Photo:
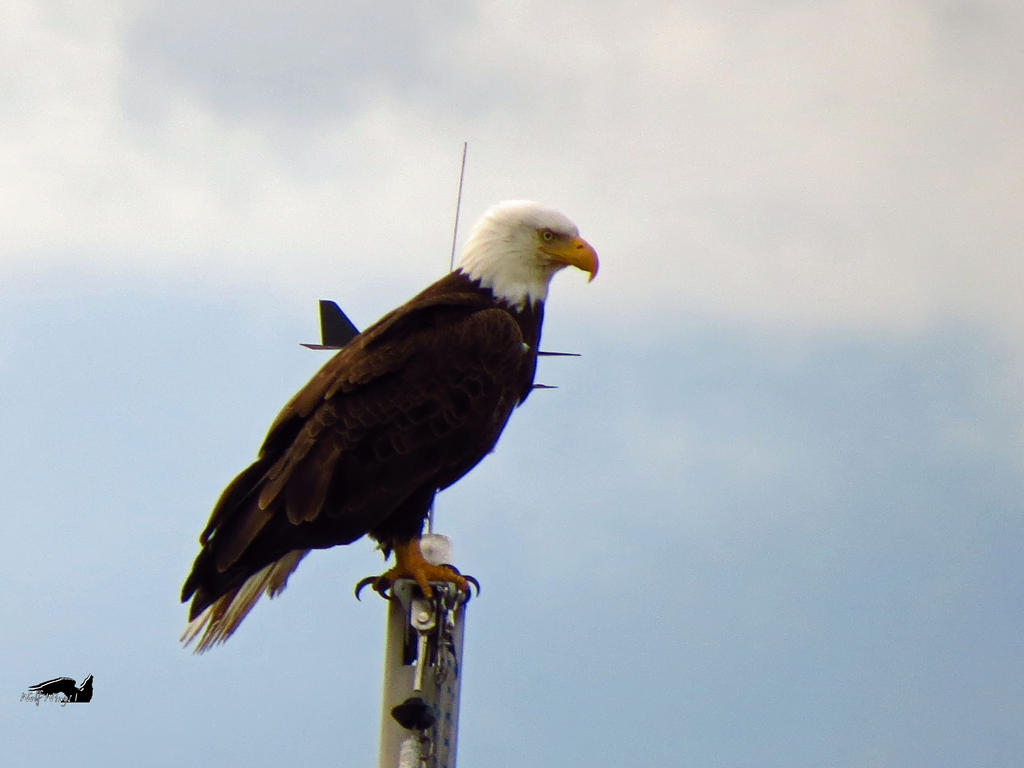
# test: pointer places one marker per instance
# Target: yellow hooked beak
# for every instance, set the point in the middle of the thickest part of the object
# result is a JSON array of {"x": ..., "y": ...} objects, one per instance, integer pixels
[{"x": 574, "y": 251}]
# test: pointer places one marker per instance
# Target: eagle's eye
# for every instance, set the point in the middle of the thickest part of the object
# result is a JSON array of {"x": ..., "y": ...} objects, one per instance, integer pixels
[{"x": 547, "y": 235}]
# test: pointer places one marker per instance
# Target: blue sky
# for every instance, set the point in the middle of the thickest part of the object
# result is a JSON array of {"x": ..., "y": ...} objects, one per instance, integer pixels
[{"x": 771, "y": 517}]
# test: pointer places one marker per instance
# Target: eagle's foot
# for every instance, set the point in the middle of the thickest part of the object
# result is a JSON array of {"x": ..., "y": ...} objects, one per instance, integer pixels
[
  {"x": 410, "y": 564},
  {"x": 383, "y": 584}
]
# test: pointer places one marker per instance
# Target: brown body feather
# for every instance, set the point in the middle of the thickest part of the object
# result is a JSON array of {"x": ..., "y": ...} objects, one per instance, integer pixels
[{"x": 407, "y": 408}]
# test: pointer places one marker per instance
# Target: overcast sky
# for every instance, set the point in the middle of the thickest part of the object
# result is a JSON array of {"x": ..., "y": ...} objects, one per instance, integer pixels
[{"x": 772, "y": 517}]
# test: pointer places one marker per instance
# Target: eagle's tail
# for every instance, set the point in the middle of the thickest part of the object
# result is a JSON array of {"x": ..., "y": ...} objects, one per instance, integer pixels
[{"x": 218, "y": 620}]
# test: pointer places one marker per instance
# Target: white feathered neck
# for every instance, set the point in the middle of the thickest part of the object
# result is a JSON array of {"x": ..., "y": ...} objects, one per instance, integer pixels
[{"x": 502, "y": 251}]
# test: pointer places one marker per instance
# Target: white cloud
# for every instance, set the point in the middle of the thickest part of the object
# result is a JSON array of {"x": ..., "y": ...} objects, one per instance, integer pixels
[{"x": 838, "y": 165}]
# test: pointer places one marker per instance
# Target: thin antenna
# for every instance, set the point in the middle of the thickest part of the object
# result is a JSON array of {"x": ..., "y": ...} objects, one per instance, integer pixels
[
  {"x": 429, "y": 522},
  {"x": 458, "y": 205}
]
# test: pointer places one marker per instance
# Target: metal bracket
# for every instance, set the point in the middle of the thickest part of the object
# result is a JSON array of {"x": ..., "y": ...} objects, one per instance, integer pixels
[{"x": 422, "y": 619}]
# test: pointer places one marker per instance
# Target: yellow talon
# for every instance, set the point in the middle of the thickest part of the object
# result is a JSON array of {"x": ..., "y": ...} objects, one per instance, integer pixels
[{"x": 410, "y": 564}]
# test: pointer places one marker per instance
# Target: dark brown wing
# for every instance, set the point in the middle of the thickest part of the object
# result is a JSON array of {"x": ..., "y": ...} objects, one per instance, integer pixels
[
  {"x": 383, "y": 349},
  {"x": 408, "y": 407}
]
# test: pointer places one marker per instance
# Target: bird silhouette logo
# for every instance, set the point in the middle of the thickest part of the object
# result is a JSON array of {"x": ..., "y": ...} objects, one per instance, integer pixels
[{"x": 63, "y": 689}]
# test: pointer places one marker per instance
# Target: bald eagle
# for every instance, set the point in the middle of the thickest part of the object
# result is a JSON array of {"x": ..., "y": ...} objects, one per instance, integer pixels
[{"x": 405, "y": 409}]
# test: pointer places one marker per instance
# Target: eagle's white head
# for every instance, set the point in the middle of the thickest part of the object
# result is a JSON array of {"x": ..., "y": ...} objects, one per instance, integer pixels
[{"x": 517, "y": 246}]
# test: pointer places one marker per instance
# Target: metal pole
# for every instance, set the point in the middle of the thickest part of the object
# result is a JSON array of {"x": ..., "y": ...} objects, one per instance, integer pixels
[{"x": 422, "y": 670}]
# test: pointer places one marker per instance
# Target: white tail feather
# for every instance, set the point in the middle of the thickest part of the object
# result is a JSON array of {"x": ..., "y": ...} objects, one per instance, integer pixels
[{"x": 222, "y": 617}]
